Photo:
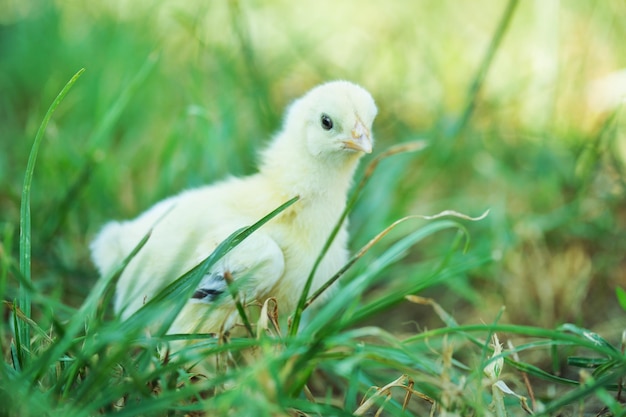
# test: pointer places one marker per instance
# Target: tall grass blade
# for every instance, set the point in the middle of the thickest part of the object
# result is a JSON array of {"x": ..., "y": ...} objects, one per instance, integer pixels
[
  {"x": 369, "y": 171},
  {"x": 25, "y": 221},
  {"x": 99, "y": 140},
  {"x": 443, "y": 271},
  {"x": 17, "y": 348},
  {"x": 589, "y": 335},
  {"x": 620, "y": 293},
  {"x": 556, "y": 336},
  {"x": 258, "y": 86},
  {"x": 325, "y": 323},
  {"x": 481, "y": 74},
  {"x": 377, "y": 238},
  {"x": 6, "y": 264},
  {"x": 86, "y": 311},
  {"x": 582, "y": 392},
  {"x": 173, "y": 298}
]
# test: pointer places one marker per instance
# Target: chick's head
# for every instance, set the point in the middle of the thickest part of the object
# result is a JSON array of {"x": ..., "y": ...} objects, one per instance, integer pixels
[{"x": 337, "y": 120}]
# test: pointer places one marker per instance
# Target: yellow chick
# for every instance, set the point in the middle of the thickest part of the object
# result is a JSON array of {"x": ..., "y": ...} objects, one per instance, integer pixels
[{"x": 314, "y": 156}]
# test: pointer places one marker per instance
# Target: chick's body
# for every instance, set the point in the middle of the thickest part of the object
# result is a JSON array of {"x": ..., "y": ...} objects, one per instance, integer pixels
[{"x": 314, "y": 157}]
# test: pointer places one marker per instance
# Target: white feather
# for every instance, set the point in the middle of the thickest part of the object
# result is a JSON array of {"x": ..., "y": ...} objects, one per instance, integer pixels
[{"x": 303, "y": 159}]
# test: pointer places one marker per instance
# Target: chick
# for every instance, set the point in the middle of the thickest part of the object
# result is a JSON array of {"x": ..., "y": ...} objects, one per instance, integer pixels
[{"x": 314, "y": 156}]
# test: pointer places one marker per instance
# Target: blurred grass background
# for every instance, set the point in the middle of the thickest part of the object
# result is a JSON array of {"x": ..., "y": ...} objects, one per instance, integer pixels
[{"x": 181, "y": 93}]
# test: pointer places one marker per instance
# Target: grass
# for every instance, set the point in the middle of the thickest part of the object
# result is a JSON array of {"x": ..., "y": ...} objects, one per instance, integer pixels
[{"x": 178, "y": 95}]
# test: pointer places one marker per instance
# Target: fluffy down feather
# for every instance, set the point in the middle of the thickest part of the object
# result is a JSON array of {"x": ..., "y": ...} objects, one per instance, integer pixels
[{"x": 314, "y": 156}]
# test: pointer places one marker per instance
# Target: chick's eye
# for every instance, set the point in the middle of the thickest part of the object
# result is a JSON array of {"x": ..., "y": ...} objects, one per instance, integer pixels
[{"x": 327, "y": 122}]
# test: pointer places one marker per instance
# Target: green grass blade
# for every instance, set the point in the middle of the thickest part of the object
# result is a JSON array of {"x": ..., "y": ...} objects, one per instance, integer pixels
[
  {"x": 7, "y": 263},
  {"x": 25, "y": 220},
  {"x": 17, "y": 348},
  {"x": 86, "y": 311},
  {"x": 620, "y": 293},
  {"x": 481, "y": 74},
  {"x": 99, "y": 140},
  {"x": 531, "y": 331},
  {"x": 441, "y": 271},
  {"x": 591, "y": 336},
  {"x": 302, "y": 302},
  {"x": 583, "y": 391},
  {"x": 325, "y": 322},
  {"x": 540, "y": 373},
  {"x": 173, "y": 298}
]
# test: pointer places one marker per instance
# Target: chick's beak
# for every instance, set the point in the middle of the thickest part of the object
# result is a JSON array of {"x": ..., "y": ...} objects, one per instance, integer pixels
[{"x": 360, "y": 139}]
